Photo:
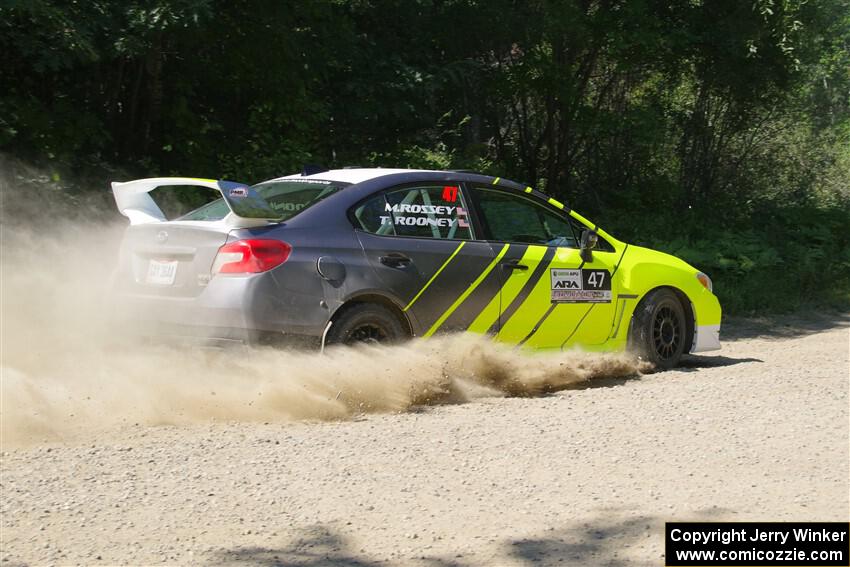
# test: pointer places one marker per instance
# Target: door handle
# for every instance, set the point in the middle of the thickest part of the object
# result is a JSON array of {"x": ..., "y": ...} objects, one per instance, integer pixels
[
  {"x": 395, "y": 260},
  {"x": 514, "y": 265}
]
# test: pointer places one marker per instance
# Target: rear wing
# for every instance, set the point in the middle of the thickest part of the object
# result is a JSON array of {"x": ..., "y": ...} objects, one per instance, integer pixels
[{"x": 247, "y": 208}]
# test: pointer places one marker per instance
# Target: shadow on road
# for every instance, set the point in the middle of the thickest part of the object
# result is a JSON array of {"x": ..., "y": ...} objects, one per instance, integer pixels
[
  {"x": 599, "y": 383},
  {"x": 695, "y": 362},
  {"x": 781, "y": 326},
  {"x": 601, "y": 542},
  {"x": 319, "y": 547},
  {"x": 608, "y": 539},
  {"x": 612, "y": 538}
]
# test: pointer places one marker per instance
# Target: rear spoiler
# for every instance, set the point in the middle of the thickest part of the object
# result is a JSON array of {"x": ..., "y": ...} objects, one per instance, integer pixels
[{"x": 247, "y": 208}]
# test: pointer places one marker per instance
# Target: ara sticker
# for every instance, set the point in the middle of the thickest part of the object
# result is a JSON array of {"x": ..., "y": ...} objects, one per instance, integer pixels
[
  {"x": 580, "y": 286},
  {"x": 239, "y": 192},
  {"x": 450, "y": 194}
]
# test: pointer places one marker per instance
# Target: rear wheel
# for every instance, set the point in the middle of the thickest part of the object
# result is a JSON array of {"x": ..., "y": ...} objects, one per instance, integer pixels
[
  {"x": 366, "y": 323},
  {"x": 659, "y": 329}
]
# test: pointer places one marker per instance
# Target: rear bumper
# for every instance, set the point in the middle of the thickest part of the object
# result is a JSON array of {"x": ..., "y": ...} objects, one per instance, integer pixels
[
  {"x": 220, "y": 337},
  {"x": 247, "y": 309}
]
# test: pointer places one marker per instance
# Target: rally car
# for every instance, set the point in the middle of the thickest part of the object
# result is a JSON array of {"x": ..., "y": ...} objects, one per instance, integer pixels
[{"x": 371, "y": 254}]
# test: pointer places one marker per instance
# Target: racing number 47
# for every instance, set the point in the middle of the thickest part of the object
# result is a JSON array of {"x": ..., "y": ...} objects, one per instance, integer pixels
[{"x": 596, "y": 279}]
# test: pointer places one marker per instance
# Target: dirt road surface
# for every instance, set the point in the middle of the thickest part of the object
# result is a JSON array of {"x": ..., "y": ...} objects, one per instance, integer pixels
[{"x": 580, "y": 477}]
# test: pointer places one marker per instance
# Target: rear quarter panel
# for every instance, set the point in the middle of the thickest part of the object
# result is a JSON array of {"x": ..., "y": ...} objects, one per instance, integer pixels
[{"x": 301, "y": 301}]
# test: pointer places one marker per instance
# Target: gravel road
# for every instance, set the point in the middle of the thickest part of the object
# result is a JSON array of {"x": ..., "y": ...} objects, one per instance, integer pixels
[{"x": 581, "y": 477}]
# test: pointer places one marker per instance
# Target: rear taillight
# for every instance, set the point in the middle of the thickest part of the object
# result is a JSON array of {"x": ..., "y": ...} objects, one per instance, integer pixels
[{"x": 250, "y": 256}]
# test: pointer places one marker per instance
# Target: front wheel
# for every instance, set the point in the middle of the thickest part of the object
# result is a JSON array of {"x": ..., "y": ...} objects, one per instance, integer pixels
[
  {"x": 659, "y": 329},
  {"x": 366, "y": 323}
]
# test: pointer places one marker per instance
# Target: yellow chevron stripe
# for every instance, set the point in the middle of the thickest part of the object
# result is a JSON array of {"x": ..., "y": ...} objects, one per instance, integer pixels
[
  {"x": 490, "y": 314},
  {"x": 522, "y": 321},
  {"x": 437, "y": 273},
  {"x": 466, "y": 293},
  {"x": 496, "y": 181}
]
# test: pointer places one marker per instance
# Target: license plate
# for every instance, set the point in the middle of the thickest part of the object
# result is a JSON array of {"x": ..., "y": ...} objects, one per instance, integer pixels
[{"x": 162, "y": 272}]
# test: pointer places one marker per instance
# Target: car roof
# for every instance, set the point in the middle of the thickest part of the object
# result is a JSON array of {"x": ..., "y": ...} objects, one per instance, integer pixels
[
  {"x": 357, "y": 175},
  {"x": 353, "y": 175}
]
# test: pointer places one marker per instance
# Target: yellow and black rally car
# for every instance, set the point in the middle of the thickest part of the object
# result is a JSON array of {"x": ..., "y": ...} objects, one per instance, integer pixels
[{"x": 370, "y": 254}]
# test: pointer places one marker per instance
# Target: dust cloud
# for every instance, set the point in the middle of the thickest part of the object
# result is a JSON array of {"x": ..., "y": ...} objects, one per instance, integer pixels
[{"x": 65, "y": 375}]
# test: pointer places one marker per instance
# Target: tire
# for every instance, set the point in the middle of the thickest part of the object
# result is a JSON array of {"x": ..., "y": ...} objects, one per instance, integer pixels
[
  {"x": 659, "y": 329},
  {"x": 366, "y": 323}
]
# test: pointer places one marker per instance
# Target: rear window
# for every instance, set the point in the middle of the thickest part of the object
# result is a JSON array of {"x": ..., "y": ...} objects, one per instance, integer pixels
[{"x": 286, "y": 197}]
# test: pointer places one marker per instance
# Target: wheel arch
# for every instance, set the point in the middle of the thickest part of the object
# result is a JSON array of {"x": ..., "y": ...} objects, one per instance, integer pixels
[
  {"x": 379, "y": 299},
  {"x": 687, "y": 307}
]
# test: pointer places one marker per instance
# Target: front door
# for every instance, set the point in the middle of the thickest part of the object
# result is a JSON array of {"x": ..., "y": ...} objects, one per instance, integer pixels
[{"x": 550, "y": 297}]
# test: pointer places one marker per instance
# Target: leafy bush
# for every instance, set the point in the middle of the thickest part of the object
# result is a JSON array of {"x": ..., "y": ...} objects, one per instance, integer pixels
[{"x": 786, "y": 259}]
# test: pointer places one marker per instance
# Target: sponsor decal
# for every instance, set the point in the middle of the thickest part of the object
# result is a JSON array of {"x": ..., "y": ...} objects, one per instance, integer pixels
[
  {"x": 450, "y": 194},
  {"x": 288, "y": 206},
  {"x": 418, "y": 221},
  {"x": 312, "y": 181},
  {"x": 238, "y": 192},
  {"x": 420, "y": 209},
  {"x": 411, "y": 215},
  {"x": 580, "y": 286}
]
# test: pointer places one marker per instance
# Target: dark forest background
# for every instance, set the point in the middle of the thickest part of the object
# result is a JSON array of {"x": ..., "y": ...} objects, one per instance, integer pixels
[{"x": 718, "y": 130}]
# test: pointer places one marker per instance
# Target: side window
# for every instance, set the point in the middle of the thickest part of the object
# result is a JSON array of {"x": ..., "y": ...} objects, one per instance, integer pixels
[
  {"x": 427, "y": 211},
  {"x": 515, "y": 218}
]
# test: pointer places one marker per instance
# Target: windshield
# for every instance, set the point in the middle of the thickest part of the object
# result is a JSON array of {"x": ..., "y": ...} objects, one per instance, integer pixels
[{"x": 286, "y": 197}]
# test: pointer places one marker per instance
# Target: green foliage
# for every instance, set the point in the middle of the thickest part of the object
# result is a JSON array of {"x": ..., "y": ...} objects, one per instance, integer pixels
[
  {"x": 793, "y": 256},
  {"x": 729, "y": 119}
]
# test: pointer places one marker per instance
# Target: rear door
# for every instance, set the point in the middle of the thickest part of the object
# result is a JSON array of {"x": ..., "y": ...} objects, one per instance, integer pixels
[
  {"x": 550, "y": 297},
  {"x": 420, "y": 241}
]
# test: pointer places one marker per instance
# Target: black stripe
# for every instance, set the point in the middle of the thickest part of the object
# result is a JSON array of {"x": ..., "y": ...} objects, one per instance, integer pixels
[
  {"x": 539, "y": 323},
  {"x": 580, "y": 321},
  {"x": 619, "y": 313},
  {"x": 620, "y": 261},
  {"x": 474, "y": 304},
  {"x": 525, "y": 291},
  {"x": 515, "y": 252}
]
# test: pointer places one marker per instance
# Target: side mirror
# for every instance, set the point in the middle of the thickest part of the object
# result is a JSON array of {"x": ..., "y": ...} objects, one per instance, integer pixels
[{"x": 589, "y": 238}]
